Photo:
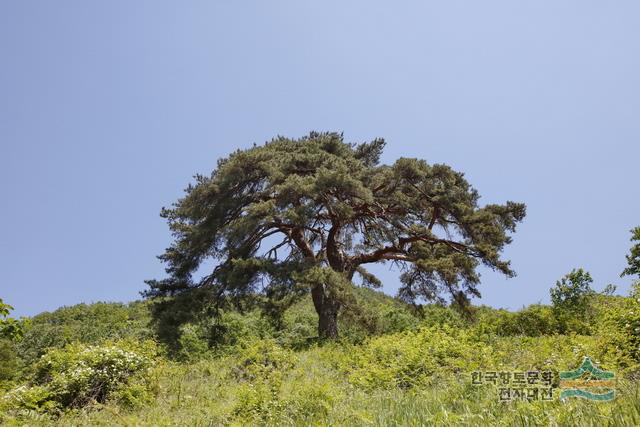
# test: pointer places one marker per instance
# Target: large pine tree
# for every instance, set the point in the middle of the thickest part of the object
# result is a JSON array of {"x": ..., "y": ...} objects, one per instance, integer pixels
[{"x": 293, "y": 217}]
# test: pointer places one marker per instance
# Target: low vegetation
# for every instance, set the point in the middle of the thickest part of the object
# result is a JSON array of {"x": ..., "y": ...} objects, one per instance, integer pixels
[{"x": 394, "y": 365}]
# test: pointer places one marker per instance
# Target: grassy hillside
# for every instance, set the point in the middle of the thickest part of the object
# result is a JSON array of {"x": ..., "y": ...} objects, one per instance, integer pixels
[{"x": 393, "y": 366}]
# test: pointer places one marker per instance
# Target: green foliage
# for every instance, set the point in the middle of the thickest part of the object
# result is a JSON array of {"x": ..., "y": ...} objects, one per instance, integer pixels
[
  {"x": 9, "y": 361},
  {"x": 571, "y": 299},
  {"x": 572, "y": 292},
  {"x": 305, "y": 398},
  {"x": 10, "y": 328},
  {"x": 218, "y": 334},
  {"x": 441, "y": 315},
  {"x": 88, "y": 324},
  {"x": 261, "y": 368},
  {"x": 369, "y": 313},
  {"x": 418, "y": 376},
  {"x": 11, "y": 332},
  {"x": 263, "y": 360},
  {"x": 79, "y": 375},
  {"x": 619, "y": 326},
  {"x": 396, "y": 364},
  {"x": 232, "y": 327},
  {"x": 373, "y": 313},
  {"x": 550, "y": 352},
  {"x": 533, "y": 321},
  {"x": 412, "y": 359},
  {"x": 633, "y": 259},
  {"x": 192, "y": 344},
  {"x": 299, "y": 327},
  {"x": 5, "y": 309}
]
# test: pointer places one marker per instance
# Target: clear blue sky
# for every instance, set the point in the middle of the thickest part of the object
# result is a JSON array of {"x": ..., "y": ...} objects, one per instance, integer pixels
[{"x": 108, "y": 108}]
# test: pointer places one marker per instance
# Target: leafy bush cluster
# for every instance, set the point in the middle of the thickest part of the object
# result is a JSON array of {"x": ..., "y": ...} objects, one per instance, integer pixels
[
  {"x": 619, "y": 327},
  {"x": 264, "y": 360},
  {"x": 260, "y": 368},
  {"x": 79, "y": 375},
  {"x": 10, "y": 328},
  {"x": 9, "y": 362},
  {"x": 412, "y": 359},
  {"x": 533, "y": 321},
  {"x": 84, "y": 323},
  {"x": 11, "y": 333}
]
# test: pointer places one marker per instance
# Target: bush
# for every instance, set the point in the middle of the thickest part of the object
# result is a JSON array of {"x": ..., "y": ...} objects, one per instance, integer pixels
[
  {"x": 192, "y": 344},
  {"x": 10, "y": 328},
  {"x": 533, "y": 321},
  {"x": 261, "y": 368},
  {"x": 619, "y": 327},
  {"x": 232, "y": 328},
  {"x": 571, "y": 299},
  {"x": 373, "y": 313},
  {"x": 552, "y": 352},
  {"x": 91, "y": 324},
  {"x": 262, "y": 360},
  {"x": 79, "y": 375},
  {"x": 440, "y": 315},
  {"x": 299, "y": 326},
  {"x": 312, "y": 400},
  {"x": 412, "y": 359},
  {"x": 9, "y": 362}
]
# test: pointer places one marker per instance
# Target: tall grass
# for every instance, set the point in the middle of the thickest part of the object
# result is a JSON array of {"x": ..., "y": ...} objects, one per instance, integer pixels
[{"x": 316, "y": 391}]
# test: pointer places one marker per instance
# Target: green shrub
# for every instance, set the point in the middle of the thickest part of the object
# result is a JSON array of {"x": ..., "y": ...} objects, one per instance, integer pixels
[
  {"x": 232, "y": 328},
  {"x": 192, "y": 345},
  {"x": 262, "y": 360},
  {"x": 572, "y": 292},
  {"x": 552, "y": 352},
  {"x": 9, "y": 362},
  {"x": 258, "y": 403},
  {"x": 84, "y": 323},
  {"x": 261, "y": 367},
  {"x": 375, "y": 313},
  {"x": 10, "y": 328},
  {"x": 619, "y": 326},
  {"x": 412, "y": 359},
  {"x": 312, "y": 400},
  {"x": 79, "y": 375},
  {"x": 571, "y": 299},
  {"x": 533, "y": 321},
  {"x": 439, "y": 315},
  {"x": 299, "y": 327}
]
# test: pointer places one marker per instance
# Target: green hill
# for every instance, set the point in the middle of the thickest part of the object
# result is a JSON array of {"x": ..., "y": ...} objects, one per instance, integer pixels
[{"x": 394, "y": 365}]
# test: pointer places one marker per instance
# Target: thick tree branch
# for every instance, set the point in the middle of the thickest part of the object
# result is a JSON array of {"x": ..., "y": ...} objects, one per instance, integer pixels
[
  {"x": 392, "y": 251},
  {"x": 334, "y": 254},
  {"x": 434, "y": 217},
  {"x": 297, "y": 235}
]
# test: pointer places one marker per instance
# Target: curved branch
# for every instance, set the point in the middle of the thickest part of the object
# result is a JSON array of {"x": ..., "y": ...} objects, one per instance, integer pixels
[{"x": 398, "y": 252}]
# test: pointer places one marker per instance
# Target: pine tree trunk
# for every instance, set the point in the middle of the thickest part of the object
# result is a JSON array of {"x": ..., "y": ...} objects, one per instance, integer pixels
[
  {"x": 328, "y": 322},
  {"x": 327, "y": 309}
]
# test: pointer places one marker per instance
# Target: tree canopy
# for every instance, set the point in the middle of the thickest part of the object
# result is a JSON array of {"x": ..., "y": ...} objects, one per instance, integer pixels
[
  {"x": 572, "y": 291},
  {"x": 633, "y": 259},
  {"x": 299, "y": 216}
]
